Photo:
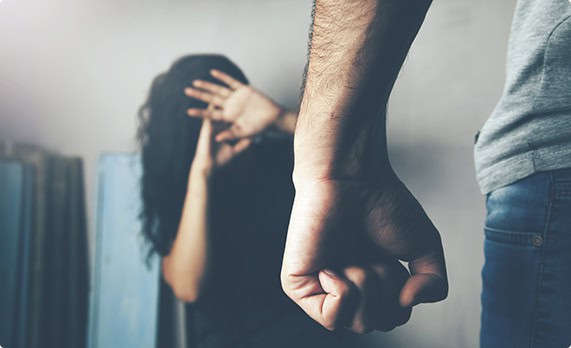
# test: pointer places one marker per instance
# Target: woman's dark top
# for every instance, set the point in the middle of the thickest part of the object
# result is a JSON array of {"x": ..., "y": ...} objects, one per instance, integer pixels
[{"x": 243, "y": 304}]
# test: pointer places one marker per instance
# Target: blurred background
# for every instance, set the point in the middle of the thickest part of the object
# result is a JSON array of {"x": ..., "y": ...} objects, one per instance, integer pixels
[{"x": 73, "y": 74}]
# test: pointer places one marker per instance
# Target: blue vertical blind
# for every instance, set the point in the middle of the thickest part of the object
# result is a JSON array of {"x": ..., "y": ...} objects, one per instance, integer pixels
[
  {"x": 15, "y": 215},
  {"x": 125, "y": 288}
]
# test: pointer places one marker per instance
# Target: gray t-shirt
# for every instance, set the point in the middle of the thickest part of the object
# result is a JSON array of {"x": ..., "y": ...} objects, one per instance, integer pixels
[{"x": 530, "y": 128}]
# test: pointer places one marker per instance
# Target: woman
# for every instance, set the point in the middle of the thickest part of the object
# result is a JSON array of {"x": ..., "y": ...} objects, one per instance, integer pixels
[{"x": 217, "y": 194}]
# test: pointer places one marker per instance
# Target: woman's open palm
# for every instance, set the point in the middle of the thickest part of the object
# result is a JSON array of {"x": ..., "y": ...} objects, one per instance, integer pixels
[{"x": 247, "y": 110}]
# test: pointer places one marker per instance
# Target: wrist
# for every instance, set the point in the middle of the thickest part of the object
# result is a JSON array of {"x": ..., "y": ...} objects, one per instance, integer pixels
[
  {"x": 309, "y": 175},
  {"x": 199, "y": 177},
  {"x": 354, "y": 151}
]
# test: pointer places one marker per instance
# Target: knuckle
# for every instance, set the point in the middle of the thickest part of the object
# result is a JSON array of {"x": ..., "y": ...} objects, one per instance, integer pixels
[
  {"x": 383, "y": 272},
  {"x": 357, "y": 275},
  {"x": 284, "y": 279},
  {"x": 444, "y": 292},
  {"x": 344, "y": 291},
  {"x": 361, "y": 328},
  {"x": 404, "y": 317},
  {"x": 387, "y": 328},
  {"x": 287, "y": 282},
  {"x": 329, "y": 322}
]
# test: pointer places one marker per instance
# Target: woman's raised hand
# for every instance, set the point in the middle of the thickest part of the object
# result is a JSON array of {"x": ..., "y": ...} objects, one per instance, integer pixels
[
  {"x": 248, "y": 111},
  {"x": 210, "y": 155}
]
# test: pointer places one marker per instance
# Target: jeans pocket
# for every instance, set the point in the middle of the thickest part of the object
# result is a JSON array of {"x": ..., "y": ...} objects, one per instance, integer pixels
[
  {"x": 517, "y": 213},
  {"x": 514, "y": 238},
  {"x": 510, "y": 279}
]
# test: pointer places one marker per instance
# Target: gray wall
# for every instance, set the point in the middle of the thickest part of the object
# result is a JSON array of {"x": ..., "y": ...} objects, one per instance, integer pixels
[{"x": 72, "y": 74}]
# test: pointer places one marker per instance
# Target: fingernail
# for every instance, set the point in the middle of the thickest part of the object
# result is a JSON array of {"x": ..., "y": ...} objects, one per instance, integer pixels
[{"x": 196, "y": 83}]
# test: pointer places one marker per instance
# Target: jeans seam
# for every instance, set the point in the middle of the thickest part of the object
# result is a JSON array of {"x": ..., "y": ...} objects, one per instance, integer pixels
[
  {"x": 513, "y": 238},
  {"x": 541, "y": 263}
]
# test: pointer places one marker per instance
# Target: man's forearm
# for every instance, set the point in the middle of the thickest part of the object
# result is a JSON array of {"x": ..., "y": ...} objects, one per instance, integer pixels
[
  {"x": 350, "y": 209},
  {"x": 357, "y": 49}
]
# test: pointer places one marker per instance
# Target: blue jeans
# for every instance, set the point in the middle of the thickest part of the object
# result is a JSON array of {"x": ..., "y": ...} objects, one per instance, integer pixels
[{"x": 526, "y": 297}]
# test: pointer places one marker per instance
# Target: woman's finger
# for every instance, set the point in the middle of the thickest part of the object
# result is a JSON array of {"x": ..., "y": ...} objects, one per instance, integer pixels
[
  {"x": 241, "y": 145},
  {"x": 196, "y": 94},
  {"x": 213, "y": 114},
  {"x": 197, "y": 113},
  {"x": 206, "y": 97},
  {"x": 231, "y": 133},
  {"x": 219, "y": 90},
  {"x": 227, "y": 79}
]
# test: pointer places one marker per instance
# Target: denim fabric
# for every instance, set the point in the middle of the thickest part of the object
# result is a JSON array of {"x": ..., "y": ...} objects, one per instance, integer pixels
[{"x": 526, "y": 297}]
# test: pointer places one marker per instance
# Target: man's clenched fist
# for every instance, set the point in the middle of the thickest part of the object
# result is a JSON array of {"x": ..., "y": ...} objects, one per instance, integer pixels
[{"x": 341, "y": 257}]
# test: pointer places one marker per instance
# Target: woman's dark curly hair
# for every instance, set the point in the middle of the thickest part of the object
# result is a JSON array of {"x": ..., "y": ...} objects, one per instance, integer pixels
[{"x": 168, "y": 138}]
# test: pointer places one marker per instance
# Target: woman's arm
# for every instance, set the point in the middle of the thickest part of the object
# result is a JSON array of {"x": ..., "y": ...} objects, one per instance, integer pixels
[
  {"x": 286, "y": 121},
  {"x": 186, "y": 267}
]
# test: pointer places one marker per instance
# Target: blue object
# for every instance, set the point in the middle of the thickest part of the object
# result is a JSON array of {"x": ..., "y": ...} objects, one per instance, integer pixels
[
  {"x": 526, "y": 298},
  {"x": 125, "y": 292},
  {"x": 22, "y": 315},
  {"x": 15, "y": 218}
]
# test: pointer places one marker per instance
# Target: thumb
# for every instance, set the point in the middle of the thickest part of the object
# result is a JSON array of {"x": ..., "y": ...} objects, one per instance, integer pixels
[
  {"x": 323, "y": 296},
  {"x": 228, "y": 134},
  {"x": 338, "y": 301},
  {"x": 428, "y": 281}
]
